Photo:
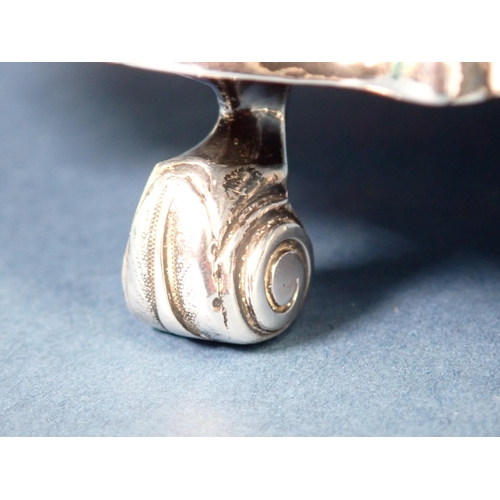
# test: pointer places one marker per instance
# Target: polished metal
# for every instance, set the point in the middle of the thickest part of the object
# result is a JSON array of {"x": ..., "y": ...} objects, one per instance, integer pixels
[
  {"x": 216, "y": 251},
  {"x": 432, "y": 83}
]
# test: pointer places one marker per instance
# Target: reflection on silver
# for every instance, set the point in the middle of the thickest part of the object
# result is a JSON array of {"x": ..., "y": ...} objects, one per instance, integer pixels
[
  {"x": 216, "y": 251},
  {"x": 433, "y": 83}
]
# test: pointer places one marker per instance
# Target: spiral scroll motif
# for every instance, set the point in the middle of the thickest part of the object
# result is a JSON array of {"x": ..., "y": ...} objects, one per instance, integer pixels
[{"x": 273, "y": 268}]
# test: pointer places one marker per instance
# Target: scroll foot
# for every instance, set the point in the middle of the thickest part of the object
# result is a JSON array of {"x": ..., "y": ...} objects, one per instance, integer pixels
[{"x": 216, "y": 251}]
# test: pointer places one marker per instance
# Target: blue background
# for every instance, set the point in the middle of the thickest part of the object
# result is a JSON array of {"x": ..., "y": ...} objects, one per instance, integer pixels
[{"x": 400, "y": 334}]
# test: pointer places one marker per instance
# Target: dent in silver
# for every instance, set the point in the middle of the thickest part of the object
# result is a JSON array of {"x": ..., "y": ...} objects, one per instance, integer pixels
[{"x": 216, "y": 251}]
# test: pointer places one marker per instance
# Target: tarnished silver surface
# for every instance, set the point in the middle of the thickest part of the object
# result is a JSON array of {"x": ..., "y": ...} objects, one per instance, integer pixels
[
  {"x": 216, "y": 251},
  {"x": 433, "y": 83}
]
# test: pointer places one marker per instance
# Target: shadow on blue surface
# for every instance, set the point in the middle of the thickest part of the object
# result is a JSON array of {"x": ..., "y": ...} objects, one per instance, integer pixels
[{"x": 400, "y": 334}]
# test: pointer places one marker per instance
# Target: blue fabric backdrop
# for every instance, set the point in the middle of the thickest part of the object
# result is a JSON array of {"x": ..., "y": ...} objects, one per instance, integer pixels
[{"x": 400, "y": 334}]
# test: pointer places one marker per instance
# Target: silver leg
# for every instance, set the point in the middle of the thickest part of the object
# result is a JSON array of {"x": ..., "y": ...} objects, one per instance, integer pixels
[{"x": 216, "y": 251}]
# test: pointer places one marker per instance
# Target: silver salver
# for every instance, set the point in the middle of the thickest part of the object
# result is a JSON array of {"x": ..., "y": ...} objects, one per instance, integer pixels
[{"x": 216, "y": 251}]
